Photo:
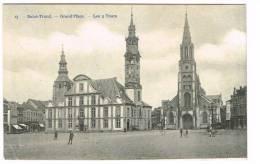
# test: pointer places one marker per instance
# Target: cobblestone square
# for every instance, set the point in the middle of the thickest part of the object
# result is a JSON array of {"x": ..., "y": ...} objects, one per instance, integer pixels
[{"x": 130, "y": 145}]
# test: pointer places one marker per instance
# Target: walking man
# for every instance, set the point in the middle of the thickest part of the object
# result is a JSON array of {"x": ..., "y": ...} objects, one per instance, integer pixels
[
  {"x": 210, "y": 131},
  {"x": 55, "y": 135},
  {"x": 187, "y": 132},
  {"x": 70, "y": 137},
  {"x": 181, "y": 131}
]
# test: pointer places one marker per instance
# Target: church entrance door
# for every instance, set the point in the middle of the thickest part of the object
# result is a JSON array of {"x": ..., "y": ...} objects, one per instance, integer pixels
[
  {"x": 187, "y": 121},
  {"x": 128, "y": 124},
  {"x": 81, "y": 125}
]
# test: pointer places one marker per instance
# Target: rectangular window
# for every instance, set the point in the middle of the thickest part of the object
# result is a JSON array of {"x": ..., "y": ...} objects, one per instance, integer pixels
[
  {"x": 59, "y": 113},
  {"x": 70, "y": 123},
  {"x": 93, "y": 123},
  {"x": 50, "y": 113},
  {"x": 70, "y": 101},
  {"x": 70, "y": 113},
  {"x": 118, "y": 115},
  {"x": 105, "y": 123},
  {"x": 128, "y": 112},
  {"x": 5, "y": 118},
  {"x": 132, "y": 112},
  {"x": 105, "y": 112},
  {"x": 139, "y": 95},
  {"x": 60, "y": 123},
  {"x": 81, "y": 100},
  {"x": 50, "y": 123},
  {"x": 5, "y": 108},
  {"x": 81, "y": 87},
  {"x": 118, "y": 123},
  {"x": 81, "y": 112},
  {"x": 93, "y": 113},
  {"x": 93, "y": 99},
  {"x": 118, "y": 111}
]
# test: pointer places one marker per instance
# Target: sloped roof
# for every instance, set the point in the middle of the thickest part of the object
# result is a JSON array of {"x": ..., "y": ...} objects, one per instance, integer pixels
[
  {"x": 206, "y": 98},
  {"x": 81, "y": 77},
  {"x": 212, "y": 97},
  {"x": 145, "y": 104},
  {"x": 111, "y": 88},
  {"x": 26, "y": 105},
  {"x": 174, "y": 100},
  {"x": 35, "y": 104}
]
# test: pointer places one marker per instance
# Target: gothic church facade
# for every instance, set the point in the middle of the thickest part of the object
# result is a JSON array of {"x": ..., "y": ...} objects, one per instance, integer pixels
[{"x": 191, "y": 107}]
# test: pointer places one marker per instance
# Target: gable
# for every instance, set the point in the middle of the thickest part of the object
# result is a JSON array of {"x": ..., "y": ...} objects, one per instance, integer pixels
[{"x": 81, "y": 77}]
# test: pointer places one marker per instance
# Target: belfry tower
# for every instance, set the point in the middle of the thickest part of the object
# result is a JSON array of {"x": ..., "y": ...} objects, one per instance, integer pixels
[
  {"x": 132, "y": 64},
  {"x": 188, "y": 82},
  {"x": 62, "y": 84}
]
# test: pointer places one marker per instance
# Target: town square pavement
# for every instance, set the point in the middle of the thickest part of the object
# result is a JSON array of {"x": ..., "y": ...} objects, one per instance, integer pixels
[{"x": 130, "y": 145}]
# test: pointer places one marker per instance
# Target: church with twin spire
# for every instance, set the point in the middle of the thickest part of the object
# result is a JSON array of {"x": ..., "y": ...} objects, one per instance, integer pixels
[{"x": 86, "y": 104}]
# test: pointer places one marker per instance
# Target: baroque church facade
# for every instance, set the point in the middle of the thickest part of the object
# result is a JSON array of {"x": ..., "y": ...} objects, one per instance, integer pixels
[
  {"x": 191, "y": 107},
  {"x": 85, "y": 104}
]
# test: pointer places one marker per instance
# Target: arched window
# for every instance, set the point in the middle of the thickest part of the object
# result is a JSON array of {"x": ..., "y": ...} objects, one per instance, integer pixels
[
  {"x": 184, "y": 77},
  {"x": 187, "y": 99},
  {"x": 204, "y": 117},
  {"x": 191, "y": 51},
  {"x": 189, "y": 78},
  {"x": 186, "y": 52}
]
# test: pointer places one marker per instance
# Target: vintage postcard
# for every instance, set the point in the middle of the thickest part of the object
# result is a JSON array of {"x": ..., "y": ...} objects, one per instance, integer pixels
[{"x": 124, "y": 81}]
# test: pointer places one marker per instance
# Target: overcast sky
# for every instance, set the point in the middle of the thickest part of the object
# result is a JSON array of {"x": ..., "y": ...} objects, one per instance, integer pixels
[{"x": 96, "y": 47}]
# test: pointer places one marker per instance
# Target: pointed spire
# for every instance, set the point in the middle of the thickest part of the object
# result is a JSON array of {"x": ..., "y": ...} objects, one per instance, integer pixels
[
  {"x": 62, "y": 49},
  {"x": 131, "y": 22},
  {"x": 186, "y": 32},
  {"x": 62, "y": 63},
  {"x": 131, "y": 28}
]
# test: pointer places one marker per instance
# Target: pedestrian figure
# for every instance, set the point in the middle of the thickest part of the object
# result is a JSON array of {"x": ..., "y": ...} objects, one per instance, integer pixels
[
  {"x": 187, "y": 132},
  {"x": 210, "y": 131},
  {"x": 70, "y": 137},
  {"x": 55, "y": 135},
  {"x": 181, "y": 131},
  {"x": 161, "y": 127}
]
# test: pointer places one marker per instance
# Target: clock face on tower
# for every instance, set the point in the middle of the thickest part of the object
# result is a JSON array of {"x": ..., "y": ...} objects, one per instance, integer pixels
[{"x": 186, "y": 67}]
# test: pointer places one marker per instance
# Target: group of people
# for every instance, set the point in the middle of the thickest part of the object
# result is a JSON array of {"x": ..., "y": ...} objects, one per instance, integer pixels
[
  {"x": 186, "y": 132},
  {"x": 71, "y": 135}
]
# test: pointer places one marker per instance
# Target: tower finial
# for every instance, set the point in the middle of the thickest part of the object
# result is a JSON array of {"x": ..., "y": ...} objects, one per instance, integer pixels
[
  {"x": 186, "y": 13},
  {"x": 131, "y": 10},
  {"x": 62, "y": 49},
  {"x": 131, "y": 23}
]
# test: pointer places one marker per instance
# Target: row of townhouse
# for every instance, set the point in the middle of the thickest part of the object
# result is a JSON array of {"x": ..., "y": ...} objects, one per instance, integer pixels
[
  {"x": 236, "y": 109},
  {"x": 25, "y": 117}
]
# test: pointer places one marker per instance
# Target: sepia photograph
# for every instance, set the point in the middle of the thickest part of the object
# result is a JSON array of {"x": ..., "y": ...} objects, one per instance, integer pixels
[{"x": 124, "y": 81}]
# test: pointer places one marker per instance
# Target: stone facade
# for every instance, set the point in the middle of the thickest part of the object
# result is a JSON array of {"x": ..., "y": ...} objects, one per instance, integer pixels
[
  {"x": 63, "y": 83},
  {"x": 191, "y": 107},
  {"x": 85, "y": 104},
  {"x": 238, "y": 103}
]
